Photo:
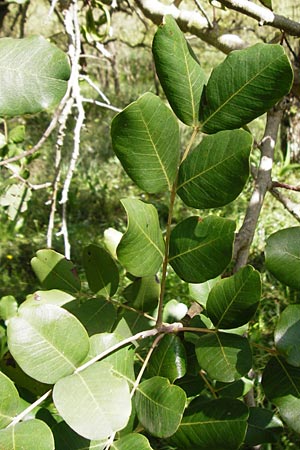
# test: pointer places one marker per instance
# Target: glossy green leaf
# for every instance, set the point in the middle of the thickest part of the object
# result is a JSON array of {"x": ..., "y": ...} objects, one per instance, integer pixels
[
  {"x": 95, "y": 314},
  {"x": 9, "y": 400},
  {"x": 237, "y": 389},
  {"x": 54, "y": 271},
  {"x": 143, "y": 232},
  {"x": 224, "y": 356},
  {"x": 28, "y": 435},
  {"x": 102, "y": 398},
  {"x": 145, "y": 138},
  {"x": 178, "y": 70},
  {"x": 53, "y": 296},
  {"x": 216, "y": 171},
  {"x": 168, "y": 359},
  {"x": 132, "y": 441},
  {"x": 281, "y": 383},
  {"x": 33, "y": 75},
  {"x": 121, "y": 360},
  {"x": 215, "y": 424},
  {"x": 263, "y": 427},
  {"x": 160, "y": 406},
  {"x": 283, "y": 256},
  {"x": 287, "y": 334},
  {"x": 101, "y": 270},
  {"x": 244, "y": 86},
  {"x": 143, "y": 293},
  {"x": 200, "y": 291},
  {"x": 68, "y": 439},
  {"x": 47, "y": 342},
  {"x": 233, "y": 301},
  {"x": 201, "y": 249},
  {"x": 8, "y": 307}
]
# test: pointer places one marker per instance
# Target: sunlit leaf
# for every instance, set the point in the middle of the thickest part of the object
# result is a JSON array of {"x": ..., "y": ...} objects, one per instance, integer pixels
[
  {"x": 200, "y": 291},
  {"x": 287, "y": 334},
  {"x": 9, "y": 400},
  {"x": 132, "y": 441},
  {"x": 28, "y": 435},
  {"x": 8, "y": 307},
  {"x": 53, "y": 296}
]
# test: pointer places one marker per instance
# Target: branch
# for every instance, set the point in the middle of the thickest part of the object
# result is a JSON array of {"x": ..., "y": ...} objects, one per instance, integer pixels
[
  {"x": 263, "y": 183},
  {"x": 292, "y": 207},
  {"x": 278, "y": 184}
]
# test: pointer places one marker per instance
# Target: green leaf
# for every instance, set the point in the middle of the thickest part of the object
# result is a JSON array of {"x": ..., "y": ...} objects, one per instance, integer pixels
[
  {"x": 95, "y": 314},
  {"x": 267, "y": 3},
  {"x": 47, "y": 342},
  {"x": 287, "y": 334},
  {"x": 215, "y": 424},
  {"x": 201, "y": 249},
  {"x": 28, "y": 435},
  {"x": 281, "y": 383},
  {"x": 263, "y": 427},
  {"x": 283, "y": 256},
  {"x": 102, "y": 398},
  {"x": 168, "y": 359},
  {"x": 215, "y": 172},
  {"x": 200, "y": 291},
  {"x": 233, "y": 301},
  {"x": 244, "y": 86},
  {"x": 54, "y": 271},
  {"x": 8, "y": 307},
  {"x": 9, "y": 400},
  {"x": 224, "y": 356},
  {"x": 68, "y": 439},
  {"x": 17, "y": 134},
  {"x": 132, "y": 441},
  {"x": 121, "y": 360},
  {"x": 145, "y": 138},
  {"x": 141, "y": 249},
  {"x": 53, "y": 297},
  {"x": 160, "y": 406},
  {"x": 237, "y": 389},
  {"x": 178, "y": 70},
  {"x": 143, "y": 293},
  {"x": 112, "y": 239},
  {"x": 33, "y": 75},
  {"x": 101, "y": 270}
]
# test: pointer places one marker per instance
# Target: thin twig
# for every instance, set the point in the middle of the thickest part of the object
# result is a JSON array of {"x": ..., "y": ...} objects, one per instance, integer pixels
[
  {"x": 200, "y": 7},
  {"x": 278, "y": 184},
  {"x": 30, "y": 408}
]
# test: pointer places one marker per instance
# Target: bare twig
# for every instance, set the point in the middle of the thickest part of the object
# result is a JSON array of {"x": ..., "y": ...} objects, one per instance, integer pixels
[
  {"x": 292, "y": 207},
  {"x": 278, "y": 184},
  {"x": 30, "y": 408},
  {"x": 203, "y": 12}
]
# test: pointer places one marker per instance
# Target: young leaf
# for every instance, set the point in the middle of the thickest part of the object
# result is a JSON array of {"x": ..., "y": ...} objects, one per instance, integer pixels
[
  {"x": 216, "y": 171},
  {"x": 283, "y": 256},
  {"x": 102, "y": 398},
  {"x": 9, "y": 400},
  {"x": 132, "y": 441},
  {"x": 28, "y": 435},
  {"x": 33, "y": 75},
  {"x": 160, "y": 406},
  {"x": 225, "y": 357},
  {"x": 145, "y": 138},
  {"x": 233, "y": 301},
  {"x": 168, "y": 359},
  {"x": 281, "y": 383},
  {"x": 178, "y": 70},
  {"x": 287, "y": 335},
  {"x": 54, "y": 271},
  {"x": 143, "y": 293},
  {"x": 101, "y": 270},
  {"x": 263, "y": 427},
  {"x": 201, "y": 249},
  {"x": 141, "y": 249},
  {"x": 47, "y": 342},
  {"x": 215, "y": 424},
  {"x": 244, "y": 86}
]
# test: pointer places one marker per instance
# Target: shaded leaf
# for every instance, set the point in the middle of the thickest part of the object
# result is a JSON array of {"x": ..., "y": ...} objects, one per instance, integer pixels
[
  {"x": 141, "y": 249},
  {"x": 244, "y": 86},
  {"x": 225, "y": 357},
  {"x": 201, "y": 249},
  {"x": 283, "y": 256},
  {"x": 215, "y": 172},
  {"x": 102, "y": 398},
  {"x": 160, "y": 406},
  {"x": 263, "y": 427},
  {"x": 200, "y": 291},
  {"x": 143, "y": 293},
  {"x": 236, "y": 389},
  {"x": 101, "y": 270},
  {"x": 33, "y": 75},
  {"x": 233, "y": 301},
  {"x": 178, "y": 70},
  {"x": 28, "y": 435},
  {"x": 215, "y": 424},
  {"x": 54, "y": 271},
  {"x": 9, "y": 400},
  {"x": 145, "y": 138},
  {"x": 287, "y": 334},
  {"x": 168, "y": 359},
  {"x": 38, "y": 341},
  {"x": 67, "y": 439},
  {"x": 132, "y": 441}
]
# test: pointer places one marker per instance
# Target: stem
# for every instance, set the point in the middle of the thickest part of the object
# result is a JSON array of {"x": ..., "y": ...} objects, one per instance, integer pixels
[
  {"x": 26, "y": 411},
  {"x": 209, "y": 386}
]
